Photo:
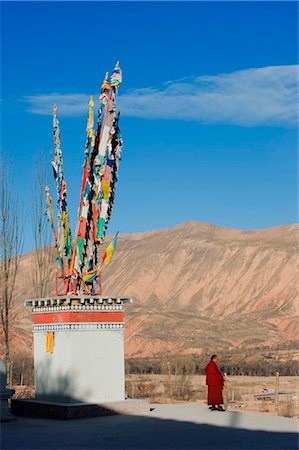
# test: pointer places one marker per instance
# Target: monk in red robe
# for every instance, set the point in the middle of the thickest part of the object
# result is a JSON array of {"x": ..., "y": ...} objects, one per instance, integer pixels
[{"x": 215, "y": 382}]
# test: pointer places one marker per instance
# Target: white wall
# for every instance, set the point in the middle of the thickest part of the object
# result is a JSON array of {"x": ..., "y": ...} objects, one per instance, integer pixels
[{"x": 85, "y": 366}]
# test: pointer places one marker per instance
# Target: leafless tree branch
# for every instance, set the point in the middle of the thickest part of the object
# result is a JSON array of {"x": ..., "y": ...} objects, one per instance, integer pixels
[
  {"x": 43, "y": 255},
  {"x": 11, "y": 239}
]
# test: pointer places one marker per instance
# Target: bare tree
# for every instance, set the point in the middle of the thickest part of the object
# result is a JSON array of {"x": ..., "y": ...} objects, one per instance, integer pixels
[
  {"x": 43, "y": 255},
  {"x": 11, "y": 233}
]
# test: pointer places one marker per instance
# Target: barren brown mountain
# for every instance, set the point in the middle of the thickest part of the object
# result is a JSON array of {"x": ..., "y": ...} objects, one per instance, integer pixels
[{"x": 196, "y": 287}]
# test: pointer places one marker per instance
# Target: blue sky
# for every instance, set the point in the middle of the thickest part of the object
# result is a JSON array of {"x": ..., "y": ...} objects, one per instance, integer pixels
[{"x": 209, "y": 105}]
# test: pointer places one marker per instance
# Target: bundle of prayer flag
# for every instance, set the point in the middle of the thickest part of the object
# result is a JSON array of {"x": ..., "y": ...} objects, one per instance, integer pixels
[{"x": 100, "y": 173}]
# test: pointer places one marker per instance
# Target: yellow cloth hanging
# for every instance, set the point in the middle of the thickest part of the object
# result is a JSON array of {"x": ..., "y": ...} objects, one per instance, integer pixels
[
  {"x": 89, "y": 128},
  {"x": 49, "y": 341},
  {"x": 106, "y": 189}
]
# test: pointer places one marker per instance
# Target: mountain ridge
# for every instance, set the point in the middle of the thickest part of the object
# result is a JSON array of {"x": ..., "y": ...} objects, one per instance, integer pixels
[{"x": 195, "y": 286}]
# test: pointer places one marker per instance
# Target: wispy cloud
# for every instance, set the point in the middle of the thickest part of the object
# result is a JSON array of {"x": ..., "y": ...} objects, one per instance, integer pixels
[
  {"x": 68, "y": 104},
  {"x": 262, "y": 96}
]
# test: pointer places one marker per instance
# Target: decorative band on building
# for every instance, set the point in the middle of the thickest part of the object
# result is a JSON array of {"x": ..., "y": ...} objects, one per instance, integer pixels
[
  {"x": 78, "y": 317},
  {"x": 78, "y": 314},
  {"x": 85, "y": 326},
  {"x": 44, "y": 309},
  {"x": 78, "y": 300}
]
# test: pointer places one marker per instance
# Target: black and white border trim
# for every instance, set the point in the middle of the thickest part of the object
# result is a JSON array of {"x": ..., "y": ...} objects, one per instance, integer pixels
[
  {"x": 45, "y": 309},
  {"x": 73, "y": 300},
  {"x": 78, "y": 327}
]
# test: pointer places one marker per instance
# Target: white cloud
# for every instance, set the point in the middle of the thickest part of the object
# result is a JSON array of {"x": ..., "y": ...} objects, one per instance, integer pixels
[
  {"x": 67, "y": 104},
  {"x": 263, "y": 96}
]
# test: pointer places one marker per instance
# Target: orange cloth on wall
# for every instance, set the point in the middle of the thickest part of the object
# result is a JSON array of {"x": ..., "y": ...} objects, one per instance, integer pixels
[{"x": 49, "y": 341}]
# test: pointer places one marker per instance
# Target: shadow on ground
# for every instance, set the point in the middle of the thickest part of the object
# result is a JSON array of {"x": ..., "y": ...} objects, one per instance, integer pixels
[
  {"x": 181, "y": 426},
  {"x": 138, "y": 432}
]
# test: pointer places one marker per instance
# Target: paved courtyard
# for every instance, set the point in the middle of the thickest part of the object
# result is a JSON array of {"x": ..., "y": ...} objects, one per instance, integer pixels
[{"x": 173, "y": 426}]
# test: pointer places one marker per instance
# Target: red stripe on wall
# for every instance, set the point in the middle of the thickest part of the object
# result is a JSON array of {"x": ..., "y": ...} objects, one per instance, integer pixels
[{"x": 78, "y": 316}]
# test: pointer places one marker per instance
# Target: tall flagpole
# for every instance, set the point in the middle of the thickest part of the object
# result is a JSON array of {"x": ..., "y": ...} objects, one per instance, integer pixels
[
  {"x": 63, "y": 229},
  {"x": 82, "y": 215},
  {"x": 50, "y": 214}
]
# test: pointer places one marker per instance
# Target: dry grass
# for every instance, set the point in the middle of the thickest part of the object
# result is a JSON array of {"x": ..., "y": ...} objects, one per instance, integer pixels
[
  {"x": 238, "y": 392},
  {"x": 288, "y": 407},
  {"x": 24, "y": 392}
]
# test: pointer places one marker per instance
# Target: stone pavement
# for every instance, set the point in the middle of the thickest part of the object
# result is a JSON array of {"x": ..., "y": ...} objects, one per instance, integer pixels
[{"x": 172, "y": 426}]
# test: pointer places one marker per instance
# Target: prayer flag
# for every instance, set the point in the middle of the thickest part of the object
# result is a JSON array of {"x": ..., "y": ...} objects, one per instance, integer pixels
[
  {"x": 64, "y": 236},
  {"x": 109, "y": 251},
  {"x": 100, "y": 174},
  {"x": 90, "y": 277}
]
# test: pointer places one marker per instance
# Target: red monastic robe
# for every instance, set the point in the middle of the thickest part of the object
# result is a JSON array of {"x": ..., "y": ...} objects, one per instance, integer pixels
[{"x": 215, "y": 382}]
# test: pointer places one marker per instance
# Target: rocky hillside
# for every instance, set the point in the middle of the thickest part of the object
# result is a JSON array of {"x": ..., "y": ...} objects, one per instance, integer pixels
[{"x": 197, "y": 288}]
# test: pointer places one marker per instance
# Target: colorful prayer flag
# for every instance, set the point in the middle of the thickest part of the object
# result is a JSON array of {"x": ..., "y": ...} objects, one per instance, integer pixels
[
  {"x": 64, "y": 232},
  {"x": 97, "y": 194},
  {"x": 109, "y": 251}
]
